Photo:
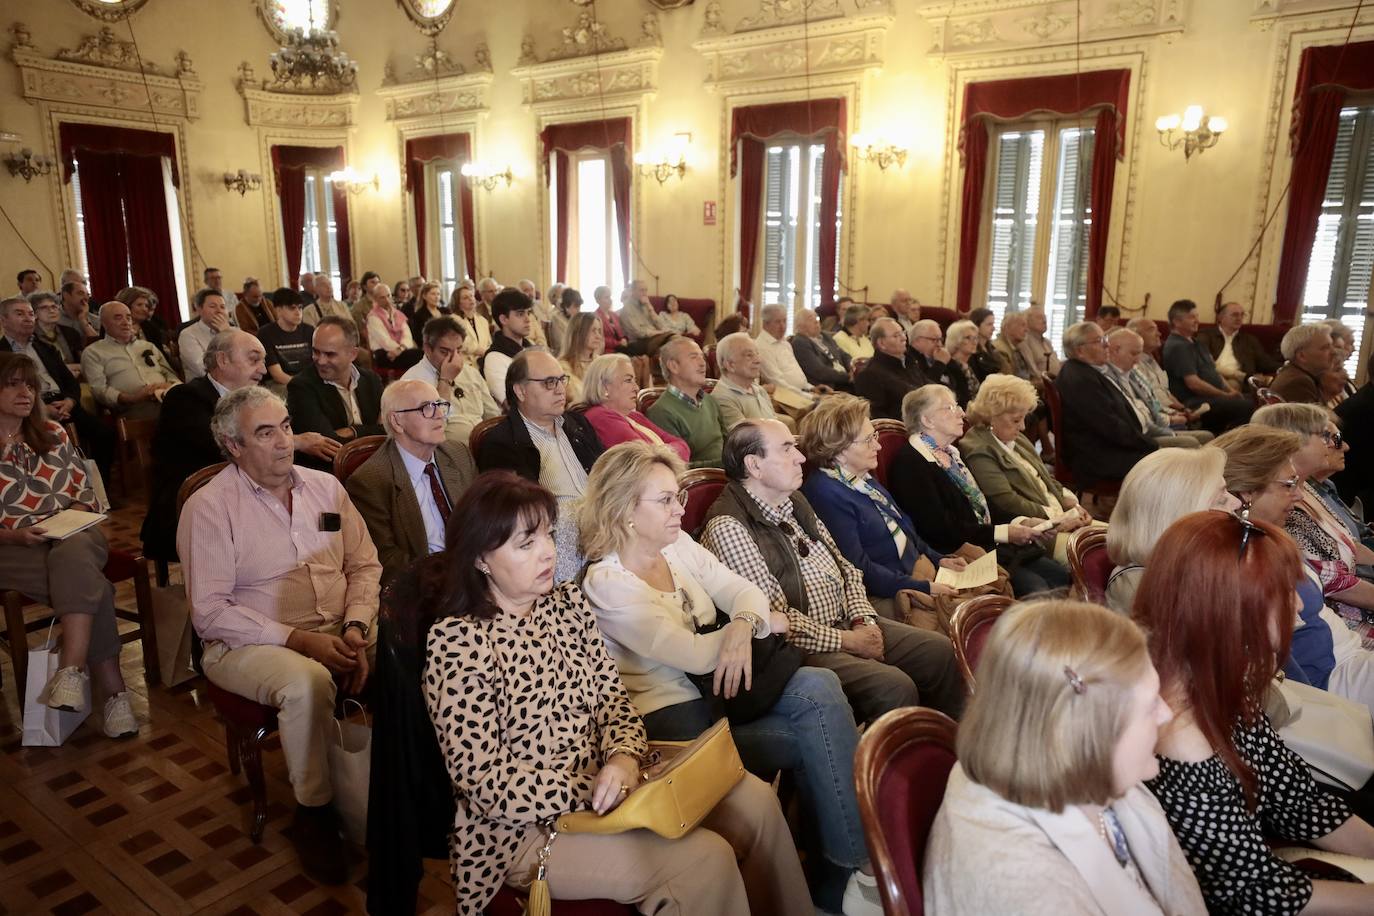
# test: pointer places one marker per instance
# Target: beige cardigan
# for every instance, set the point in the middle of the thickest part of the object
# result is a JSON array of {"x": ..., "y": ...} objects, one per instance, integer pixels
[{"x": 988, "y": 855}]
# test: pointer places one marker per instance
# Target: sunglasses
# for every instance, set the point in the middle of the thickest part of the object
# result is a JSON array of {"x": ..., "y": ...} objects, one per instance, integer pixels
[{"x": 803, "y": 546}]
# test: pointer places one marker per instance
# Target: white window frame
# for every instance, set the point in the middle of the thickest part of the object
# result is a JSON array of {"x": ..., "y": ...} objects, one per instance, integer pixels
[
  {"x": 796, "y": 227},
  {"x": 320, "y": 237},
  {"x": 447, "y": 259},
  {"x": 602, "y": 233}
]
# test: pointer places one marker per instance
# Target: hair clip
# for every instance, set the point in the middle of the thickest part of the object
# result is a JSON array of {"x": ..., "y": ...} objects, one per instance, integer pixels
[{"x": 1075, "y": 681}]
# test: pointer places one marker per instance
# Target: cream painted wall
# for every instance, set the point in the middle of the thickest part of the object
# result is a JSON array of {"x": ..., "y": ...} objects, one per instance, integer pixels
[{"x": 1189, "y": 224}]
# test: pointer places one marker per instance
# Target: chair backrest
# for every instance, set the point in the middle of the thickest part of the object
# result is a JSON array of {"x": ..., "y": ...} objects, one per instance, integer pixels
[
  {"x": 970, "y": 626},
  {"x": 703, "y": 485},
  {"x": 1268, "y": 396},
  {"x": 1056, "y": 409},
  {"x": 1090, "y": 564},
  {"x": 648, "y": 397},
  {"x": 900, "y": 772},
  {"x": 352, "y": 455},
  {"x": 196, "y": 481},
  {"x": 136, "y": 443},
  {"x": 479, "y": 432},
  {"x": 710, "y": 354},
  {"x": 891, "y": 437}
]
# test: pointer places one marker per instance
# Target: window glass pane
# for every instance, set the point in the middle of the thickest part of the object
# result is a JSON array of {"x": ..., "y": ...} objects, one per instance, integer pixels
[
  {"x": 592, "y": 217},
  {"x": 1067, "y": 275},
  {"x": 1015, "y": 214},
  {"x": 80, "y": 221},
  {"x": 310, "y": 237},
  {"x": 332, "y": 233},
  {"x": 782, "y": 192},
  {"x": 448, "y": 234}
]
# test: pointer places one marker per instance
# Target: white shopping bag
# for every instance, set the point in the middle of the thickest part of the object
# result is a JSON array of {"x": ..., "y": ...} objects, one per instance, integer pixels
[
  {"x": 350, "y": 769},
  {"x": 43, "y": 726}
]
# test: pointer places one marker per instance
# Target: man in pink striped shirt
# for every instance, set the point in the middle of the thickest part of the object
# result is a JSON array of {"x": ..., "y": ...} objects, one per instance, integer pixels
[{"x": 282, "y": 579}]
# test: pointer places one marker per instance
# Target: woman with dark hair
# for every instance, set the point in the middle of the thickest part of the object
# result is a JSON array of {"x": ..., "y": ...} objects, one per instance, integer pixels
[
  {"x": 583, "y": 341},
  {"x": 566, "y": 307},
  {"x": 678, "y": 321},
  {"x": 428, "y": 303},
  {"x": 42, "y": 474},
  {"x": 532, "y": 722},
  {"x": 147, "y": 325},
  {"x": 1218, "y": 602},
  {"x": 463, "y": 306},
  {"x": 986, "y": 360}
]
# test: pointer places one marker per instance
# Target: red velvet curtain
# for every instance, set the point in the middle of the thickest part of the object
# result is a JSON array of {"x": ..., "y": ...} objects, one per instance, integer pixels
[
  {"x": 1011, "y": 100},
  {"x": 288, "y": 170},
  {"x": 1325, "y": 75},
  {"x": 750, "y": 127},
  {"x": 101, "y": 138},
  {"x": 342, "y": 238},
  {"x": 149, "y": 238},
  {"x": 107, "y": 244},
  {"x": 422, "y": 150},
  {"x": 612, "y": 136}
]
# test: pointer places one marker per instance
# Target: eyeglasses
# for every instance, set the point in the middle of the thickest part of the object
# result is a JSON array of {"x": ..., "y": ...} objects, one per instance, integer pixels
[
  {"x": 1335, "y": 440},
  {"x": 1247, "y": 528},
  {"x": 550, "y": 382},
  {"x": 665, "y": 501},
  {"x": 867, "y": 440},
  {"x": 1290, "y": 484},
  {"x": 803, "y": 546},
  {"x": 430, "y": 410},
  {"x": 953, "y": 408}
]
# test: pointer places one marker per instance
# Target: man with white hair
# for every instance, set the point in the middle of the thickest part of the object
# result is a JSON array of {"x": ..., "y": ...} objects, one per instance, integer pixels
[
  {"x": 407, "y": 489},
  {"x": 686, "y": 409},
  {"x": 778, "y": 363},
  {"x": 738, "y": 394},
  {"x": 127, "y": 375},
  {"x": 1123, "y": 352},
  {"x": 890, "y": 374},
  {"x": 642, "y": 325},
  {"x": 487, "y": 288},
  {"x": 325, "y": 303},
  {"x": 1307, "y": 351},
  {"x": 1037, "y": 350},
  {"x": 927, "y": 351},
  {"x": 540, "y": 315},
  {"x": 822, "y": 361},
  {"x": 905, "y": 309}
]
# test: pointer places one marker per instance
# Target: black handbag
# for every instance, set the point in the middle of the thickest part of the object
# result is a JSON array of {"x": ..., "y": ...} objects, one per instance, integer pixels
[{"x": 774, "y": 661}]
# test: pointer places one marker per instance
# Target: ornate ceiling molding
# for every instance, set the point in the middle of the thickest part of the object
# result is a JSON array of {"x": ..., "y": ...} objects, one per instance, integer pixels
[
  {"x": 616, "y": 77},
  {"x": 1267, "y": 12},
  {"x": 843, "y": 44},
  {"x": 109, "y": 11},
  {"x": 964, "y": 27},
  {"x": 298, "y": 110},
  {"x": 456, "y": 94},
  {"x": 103, "y": 72}
]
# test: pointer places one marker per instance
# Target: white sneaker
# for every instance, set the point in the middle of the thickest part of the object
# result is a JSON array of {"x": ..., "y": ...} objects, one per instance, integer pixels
[
  {"x": 119, "y": 717},
  {"x": 66, "y": 690},
  {"x": 861, "y": 896}
]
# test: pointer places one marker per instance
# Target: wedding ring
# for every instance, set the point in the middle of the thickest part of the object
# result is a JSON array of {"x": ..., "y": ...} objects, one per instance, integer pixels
[{"x": 624, "y": 789}]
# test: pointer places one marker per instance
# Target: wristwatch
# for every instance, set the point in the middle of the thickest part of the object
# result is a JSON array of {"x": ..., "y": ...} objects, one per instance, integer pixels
[
  {"x": 362, "y": 627},
  {"x": 754, "y": 620}
]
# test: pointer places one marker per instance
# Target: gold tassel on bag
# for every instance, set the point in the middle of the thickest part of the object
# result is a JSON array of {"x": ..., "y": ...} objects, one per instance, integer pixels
[{"x": 539, "y": 903}]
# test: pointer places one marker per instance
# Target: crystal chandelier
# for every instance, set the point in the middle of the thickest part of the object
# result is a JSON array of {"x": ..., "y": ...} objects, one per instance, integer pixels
[{"x": 311, "y": 60}]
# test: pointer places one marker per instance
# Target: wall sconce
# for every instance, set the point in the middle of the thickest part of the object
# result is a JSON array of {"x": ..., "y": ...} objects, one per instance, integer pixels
[
  {"x": 1200, "y": 132},
  {"x": 354, "y": 182},
  {"x": 26, "y": 164},
  {"x": 486, "y": 175},
  {"x": 243, "y": 182},
  {"x": 873, "y": 149},
  {"x": 666, "y": 163}
]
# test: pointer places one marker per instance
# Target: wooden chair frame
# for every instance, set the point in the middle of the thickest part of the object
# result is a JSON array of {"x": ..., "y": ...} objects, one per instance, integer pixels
[
  {"x": 968, "y": 617},
  {"x": 1081, "y": 543},
  {"x": 352, "y": 454}
]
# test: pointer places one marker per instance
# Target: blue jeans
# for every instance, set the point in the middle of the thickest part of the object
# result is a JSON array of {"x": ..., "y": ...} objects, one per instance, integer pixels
[
  {"x": 1039, "y": 575},
  {"x": 810, "y": 731}
]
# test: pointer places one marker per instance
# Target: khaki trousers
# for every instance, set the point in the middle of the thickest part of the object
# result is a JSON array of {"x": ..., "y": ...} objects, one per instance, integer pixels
[
  {"x": 69, "y": 577},
  {"x": 740, "y": 860}
]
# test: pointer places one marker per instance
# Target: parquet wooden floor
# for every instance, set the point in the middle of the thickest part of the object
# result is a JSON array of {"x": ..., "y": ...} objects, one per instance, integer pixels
[{"x": 154, "y": 823}]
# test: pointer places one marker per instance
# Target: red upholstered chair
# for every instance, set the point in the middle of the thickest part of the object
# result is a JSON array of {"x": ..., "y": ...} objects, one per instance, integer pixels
[
  {"x": 711, "y": 370},
  {"x": 479, "y": 432},
  {"x": 892, "y": 436},
  {"x": 703, "y": 311},
  {"x": 1061, "y": 468},
  {"x": 1267, "y": 396},
  {"x": 942, "y": 316},
  {"x": 351, "y": 455},
  {"x": 703, "y": 485},
  {"x": 969, "y": 629},
  {"x": 647, "y": 398},
  {"x": 1090, "y": 564},
  {"x": 900, "y": 773}
]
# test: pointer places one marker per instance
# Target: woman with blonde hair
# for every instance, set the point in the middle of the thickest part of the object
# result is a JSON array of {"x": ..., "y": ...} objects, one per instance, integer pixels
[
  {"x": 655, "y": 593},
  {"x": 1046, "y": 811},
  {"x": 1163, "y": 487},
  {"x": 583, "y": 343},
  {"x": 961, "y": 340},
  {"x": 611, "y": 391}
]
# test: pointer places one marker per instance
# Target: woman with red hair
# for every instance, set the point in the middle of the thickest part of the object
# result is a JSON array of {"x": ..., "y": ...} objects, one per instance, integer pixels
[{"x": 1218, "y": 601}]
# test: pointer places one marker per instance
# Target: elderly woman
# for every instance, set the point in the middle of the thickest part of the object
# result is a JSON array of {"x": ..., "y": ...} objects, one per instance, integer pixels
[
  {"x": 583, "y": 342},
  {"x": 1011, "y": 475},
  {"x": 1054, "y": 751},
  {"x": 961, "y": 340},
  {"x": 1336, "y": 383},
  {"x": 869, "y": 527},
  {"x": 611, "y": 390},
  {"x": 655, "y": 593},
  {"x": 557, "y": 324},
  {"x": 147, "y": 325},
  {"x": 676, "y": 320},
  {"x": 852, "y": 338},
  {"x": 1212, "y": 602},
  {"x": 463, "y": 306},
  {"x": 932, "y": 484},
  {"x": 532, "y": 722},
  {"x": 42, "y": 474},
  {"x": 987, "y": 360}
]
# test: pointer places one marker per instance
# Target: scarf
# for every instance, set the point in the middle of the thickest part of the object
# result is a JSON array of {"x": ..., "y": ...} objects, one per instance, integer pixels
[
  {"x": 889, "y": 511},
  {"x": 394, "y": 320},
  {"x": 959, "y": 473}
]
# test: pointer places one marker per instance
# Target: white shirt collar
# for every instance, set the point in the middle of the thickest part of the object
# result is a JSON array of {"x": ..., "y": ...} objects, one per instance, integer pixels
[
  {"x": 353, "y": 377},
  {"x": 415, "y": 467},
  {"x": 218, "y": 387}
]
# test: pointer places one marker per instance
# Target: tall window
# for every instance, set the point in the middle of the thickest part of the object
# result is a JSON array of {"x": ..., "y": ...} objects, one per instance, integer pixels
[
  {"x": 450, "y": 259},
  {"x": 1040, "y": 168},
  {"x": 792, "y": 226},
  {"x": 593, "y": 242},
  {"x": 1338, "y": 274},
  {"x": 320, "y": 240}
]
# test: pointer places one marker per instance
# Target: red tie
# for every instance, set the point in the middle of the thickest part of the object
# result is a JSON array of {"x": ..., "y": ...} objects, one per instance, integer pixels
[{"x": 437, "y": 489}]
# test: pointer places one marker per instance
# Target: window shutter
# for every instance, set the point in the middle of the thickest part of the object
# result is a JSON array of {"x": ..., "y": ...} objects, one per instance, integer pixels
[
  {"x": 779, "y": 221},
  {"x": 1016, "y": 204},
  {"x": 1068, "y": 263}
]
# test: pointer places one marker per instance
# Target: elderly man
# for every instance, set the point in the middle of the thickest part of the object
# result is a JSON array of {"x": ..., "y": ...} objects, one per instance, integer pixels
[
  {"x": 282, "y": 580},
  {"x": 1238, "y": 354},
  {"x": 253, "y": 311},
  {"x": 540, "y": 314},
  {"x": 611, "y": 329},
  {"x": 1038, "y": 352},
  {"x": 1124, "y": 347},
  {"x": 47, "y": 310},
  {"x": 1103, "y": 438},
  {"x": 1193, "y": 377},
  {"x": 891, "y": 373},
  {"x": 1307, "y": 352},
  {"x": 822, "y": 361},
  {"x": 1007, "y": 344},
  {"x": 213, "y": 278},
  {"x": 307, "y": 286},
  {"x": 126, "y": 375},
  {"x": 927, "y": 351},
  {"x": 766, "y": 531},
  {"x": 325, "y": 304},
  {"x": 454, "y": 376},
  {"x": 195, "y": 339},
  {"x": 686, "y": 409},
  {"x": 332, "y": 396},
  {"x": 76, "y": 310},
  {"x": 643, "y": 327},
  {"x": 407, "y": 489},
  {"x": 778, "y": 362},
  {"x": 905, "y": 309},
  {"x": 510, "y": 314},
  {"x": 1150, "y": 369},
  {"x": 59, "y": 389},
  {"x": 738, "y": 394},
  {"x": 487, "y": 288}
]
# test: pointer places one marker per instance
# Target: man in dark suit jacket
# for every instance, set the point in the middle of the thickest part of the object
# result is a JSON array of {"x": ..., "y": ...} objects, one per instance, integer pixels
[
  {"x": 927, "y": 353},
  {"x": 1247, "y": 352},
  {"x": 537, "y": 397},
  {"x": 1102, "y": 433},
  {"x": 821, "y": 359},
  {"x": 890, "y": 374},
  {"x": 395, "y": 491},
  {"x": 1357, "y": 426},
  {"x": 333, "y": 397}
]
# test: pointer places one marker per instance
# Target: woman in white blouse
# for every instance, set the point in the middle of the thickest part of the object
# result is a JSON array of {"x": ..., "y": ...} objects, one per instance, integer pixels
[
  {"x": 655, "y": 592},
  {"x": 464, "y": 307}
]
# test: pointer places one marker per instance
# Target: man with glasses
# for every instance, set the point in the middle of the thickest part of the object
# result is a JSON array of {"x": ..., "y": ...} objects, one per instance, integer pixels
[
  {"x": 332, "y": 396},
  {"x": 454, "y": 376},
  {"x": 891, "y": 373},
  {"x": 1103, "y": 436},
  {"x": 1193, "y": 376},
  {"x": 510, "y": 313},
  {"x": 406, "y": 491},
  {"x": 927, "y": 353}
]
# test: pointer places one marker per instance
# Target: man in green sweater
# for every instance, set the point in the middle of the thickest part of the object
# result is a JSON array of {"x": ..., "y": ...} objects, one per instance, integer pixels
[{"x": 686, "y": 409}]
